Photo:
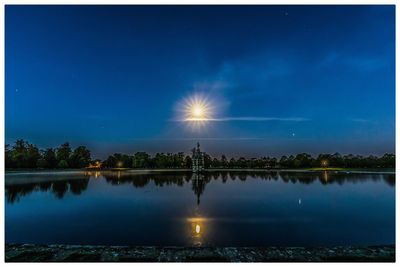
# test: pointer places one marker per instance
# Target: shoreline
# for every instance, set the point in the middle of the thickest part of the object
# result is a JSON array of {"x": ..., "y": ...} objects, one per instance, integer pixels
[
  {"x": 22, "y": 177},
  {"x": 143, "y": 171},
  {"x": 88, "y": 253}
]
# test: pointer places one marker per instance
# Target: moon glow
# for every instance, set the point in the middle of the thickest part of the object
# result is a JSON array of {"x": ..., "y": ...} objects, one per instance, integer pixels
[{"x": 197, "y": 109}]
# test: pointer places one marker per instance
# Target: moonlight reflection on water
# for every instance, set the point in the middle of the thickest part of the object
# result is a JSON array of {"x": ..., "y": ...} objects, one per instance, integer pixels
[{"x": 263, "y": 208}]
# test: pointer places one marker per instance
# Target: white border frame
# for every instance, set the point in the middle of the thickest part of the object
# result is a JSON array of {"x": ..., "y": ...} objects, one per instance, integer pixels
[{"x": 184, "y": 2}]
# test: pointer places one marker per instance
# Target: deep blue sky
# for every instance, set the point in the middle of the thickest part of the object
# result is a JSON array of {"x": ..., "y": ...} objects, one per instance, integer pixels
[{"x": 112, "y": 77}]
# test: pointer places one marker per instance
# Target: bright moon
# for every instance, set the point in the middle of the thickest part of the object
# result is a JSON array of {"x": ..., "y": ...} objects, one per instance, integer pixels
[{"x": 197, "y": 109}]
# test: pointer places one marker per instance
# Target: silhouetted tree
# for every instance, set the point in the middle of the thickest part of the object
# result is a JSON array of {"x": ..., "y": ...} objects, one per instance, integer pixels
[
  {"x": 63, "y": 152},
  {"x": 141, "y": 160},
  {"x": 49, "y": 158},
  {"x": 25, "y": 155},
  {"x": 18, "y": 153},
  {"x": 80, "y": 157},
  {"x": 8, "y": 160},
  {"x": 118, "y": 160},
  {"x": 32, "y": 156},
  {"x": 232, "y": 163},
  {"x": 224, "y": 161},
  {"x": 62, "y": 164}
]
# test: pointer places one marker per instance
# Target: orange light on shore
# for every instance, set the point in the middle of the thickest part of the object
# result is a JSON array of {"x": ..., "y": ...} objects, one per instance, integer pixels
[
  {"x": 324, "y": 163},
  {"x": 96, "y": 165}
]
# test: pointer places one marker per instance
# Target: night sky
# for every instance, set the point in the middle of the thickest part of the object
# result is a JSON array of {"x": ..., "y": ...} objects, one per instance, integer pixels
[{"x": 281, "y": 79}]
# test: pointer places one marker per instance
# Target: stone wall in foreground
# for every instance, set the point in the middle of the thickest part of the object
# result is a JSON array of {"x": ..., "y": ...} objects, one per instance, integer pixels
[{"x": 72, "y": 253}]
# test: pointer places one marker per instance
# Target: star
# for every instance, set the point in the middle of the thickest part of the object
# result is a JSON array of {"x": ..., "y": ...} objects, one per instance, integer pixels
[
  {"x": 286, "y": 14},
  {"x": 16, "y": 90},
  {"x": 293, "y": 134}
]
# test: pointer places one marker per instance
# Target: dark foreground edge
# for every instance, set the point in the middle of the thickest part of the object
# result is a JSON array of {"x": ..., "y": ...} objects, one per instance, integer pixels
[{"x": 72, "y": 253}]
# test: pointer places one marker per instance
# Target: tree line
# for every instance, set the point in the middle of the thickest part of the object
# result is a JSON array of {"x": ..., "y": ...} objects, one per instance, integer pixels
[
  {"x": 59, "y": 188},
  {"x": 25, "y": 155},
  {"x": 302, "y": 160}
]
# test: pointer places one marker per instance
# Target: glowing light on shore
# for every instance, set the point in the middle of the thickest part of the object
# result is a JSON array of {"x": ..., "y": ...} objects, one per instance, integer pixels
[
  {"x": 324, "y": 163},
  {"x": 198, "y": 229}
]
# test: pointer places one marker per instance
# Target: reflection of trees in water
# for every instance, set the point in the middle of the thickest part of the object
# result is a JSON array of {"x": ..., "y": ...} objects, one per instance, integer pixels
[
  {"x": 327, "y": 178},
  {"x": 136, "y": 180},
  {"x": 390, "y": 179},
  {"x": 59, "y": 188},
  {"x": 224, "y": 177},
  {"x": 199, "y": 181},
  {"x": 77, "y": 186},
  {"x": 16, "y": 192},
  {"x": 45, "y": 186}
]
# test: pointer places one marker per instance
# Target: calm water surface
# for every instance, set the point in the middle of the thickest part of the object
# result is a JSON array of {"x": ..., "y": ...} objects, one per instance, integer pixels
[{"x": 217, "y": 209}]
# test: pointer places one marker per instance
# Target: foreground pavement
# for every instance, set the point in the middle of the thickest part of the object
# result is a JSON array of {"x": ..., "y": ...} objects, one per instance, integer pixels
[{"x": 77, "y": 253}]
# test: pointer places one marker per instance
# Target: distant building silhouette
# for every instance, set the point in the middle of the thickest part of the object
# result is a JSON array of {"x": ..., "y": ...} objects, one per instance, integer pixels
[{"x": 197, "y": 159}]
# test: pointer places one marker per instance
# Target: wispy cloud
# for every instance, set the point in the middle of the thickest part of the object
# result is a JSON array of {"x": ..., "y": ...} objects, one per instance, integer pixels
[
  {"x": 292, "y": 119},
  {"x": 202, "y": 139},
  {"x": 360, "y": 63},
  {"x": 216, "y": 138},
  {"x": 235, "y": 74},
  {"x": 295, "y": 119}
]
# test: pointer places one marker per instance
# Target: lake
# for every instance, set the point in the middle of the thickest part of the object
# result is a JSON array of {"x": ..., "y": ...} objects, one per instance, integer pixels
[{"x": 215, "y": 209}]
